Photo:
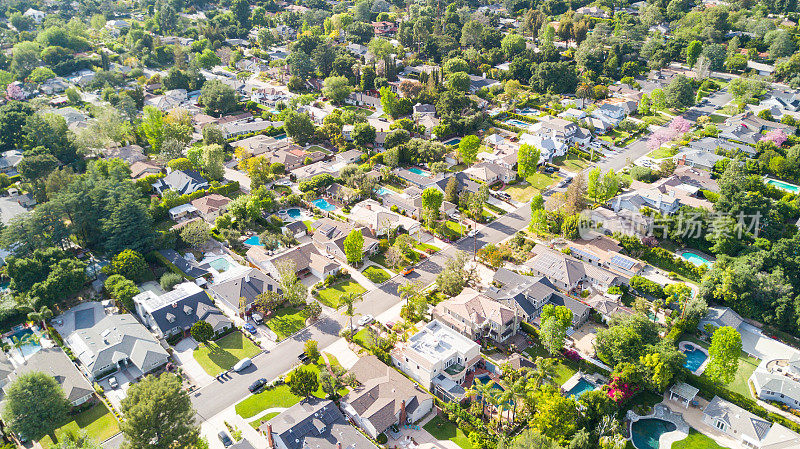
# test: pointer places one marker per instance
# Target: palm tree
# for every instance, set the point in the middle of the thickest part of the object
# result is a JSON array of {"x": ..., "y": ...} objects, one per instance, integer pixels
[
  {"x": 41, "y": 316},
  {"x": 545, "y": 371},
  {"x": 349, "y": 302},
  {"x": 411, "y": 292},
  {"x": 481, "y": 389},
  {"x": 518, "y": 392},
  {"x": 495, "y": 399}
]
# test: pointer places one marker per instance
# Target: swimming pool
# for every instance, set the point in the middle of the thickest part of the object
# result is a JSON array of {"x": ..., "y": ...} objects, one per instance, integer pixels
[
  {"x": 321, "y": 203},
  {"x": 528, "y": 111},
  {"x": 29, "y": 343},
  {"x": 581, "y": 387},
  {"x": 646, "y": 432},
  {"x": 280, "y": 137},
  {"x": 221, "y": 264},
  {"x": 383, "y": 191},
  {"x": 696, "y": 259},
  {"x": 253, "y": 240},
  {"x": 517, "y": 123},
  {"x": 453, "y": 141},
  {"x": 783, "y": 185},
  {"x": 295, "y": 214},
  {"x": 694, "y": 357},
  {"x": 419, "y": 171}
]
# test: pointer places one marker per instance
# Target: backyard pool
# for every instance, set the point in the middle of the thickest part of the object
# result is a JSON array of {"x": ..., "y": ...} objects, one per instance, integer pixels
[
  {"x": 694, "y": 357},
  {"x": 321, "y": 203},
  {"x": 453, "y": 141},
  {"x": 419, "y": 171},
  {"x": 222, "y": 264},
  {"x": 253, "y": 240},
  {"x": 696, "y": 259},
  {"x": 529, "y": 111},
  {"x": 783, "y": 185},
  {"x": 28, "y": 342},
  {"x": 517, "y": 123},
  {"x": 295, "y": 213},
  {"x": 383, "y": 191},
  {"x": 646, "y": 432},
  {"x": 280, "y": 137},
  {"x": 581, "y": 387}
]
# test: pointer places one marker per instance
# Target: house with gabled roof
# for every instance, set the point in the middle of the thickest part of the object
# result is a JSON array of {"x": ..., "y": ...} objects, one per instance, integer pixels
[
  {"x": 476, "y": 315},
  {"x": 750, "y": 430},
  {"x": 182, "y": 182},
  {"x": 329, "y": 236},
  {"x": 384, "y": 398},
  {"x": 174, "y": 312},
  {"x": 248, "y": 285},
  {"x": 54, "y": 361}
]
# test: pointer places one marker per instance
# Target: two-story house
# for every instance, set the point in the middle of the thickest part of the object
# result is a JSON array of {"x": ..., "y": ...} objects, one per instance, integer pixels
[
  {"x": 174, "y": 312},
  {"x": 475, "y": 315}
]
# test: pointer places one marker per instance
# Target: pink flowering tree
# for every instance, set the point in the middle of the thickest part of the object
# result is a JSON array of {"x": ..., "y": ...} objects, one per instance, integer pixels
[
  {"x": 620, "y": 391},
  {"x": 775, "y": 136},
  {"x": 660, "y": 137},
  {"x": 680, "y": 125}
]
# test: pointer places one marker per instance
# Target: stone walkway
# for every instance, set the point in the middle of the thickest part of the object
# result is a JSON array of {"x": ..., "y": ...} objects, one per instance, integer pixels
[{"x": 694, "y": 417}]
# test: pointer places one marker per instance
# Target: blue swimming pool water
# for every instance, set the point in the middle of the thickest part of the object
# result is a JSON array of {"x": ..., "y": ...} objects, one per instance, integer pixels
[
  {"x": 454, "y": 141},
  {"x": 253, "y": 240},
  {"x": 694, "y": 358},
  {"x": 783, "y": 185},
  {"x": 518, "y": 123},
  {"x": 528, "y": 111},
  {"x": 581, "y": 387},
  {"x": 29, "y": 345},
  {"x": 645, "y": 433},
  {"x": 383, "y": 191},
  {"x": 419, "y": 171},
  {"x": 697, "y": 259},
  {"x": 280, "y": 137},
  {"x": 323, "y": 204},
  {"x": 295, "y": 213}
]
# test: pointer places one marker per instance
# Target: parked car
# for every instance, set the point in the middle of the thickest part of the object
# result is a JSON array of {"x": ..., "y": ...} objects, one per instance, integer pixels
[
  {"x": 408, "y": 271},
  {"x": 472, "y": 233},
  {"x": 303, "y": 357},
  {"x": 242, "y": 364},
  {"x": 364, "y": 320},
  {"x": 257, "y": 317},
  {"x": 250, "y": 328},
  {"x": 112, "y": 382},
  {"x": 255, "y": 386},
  {"x": 225, "y": 439}
]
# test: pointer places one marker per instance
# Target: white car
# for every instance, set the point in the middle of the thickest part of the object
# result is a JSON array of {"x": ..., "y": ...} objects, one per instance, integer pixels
[
  {"x": 472, "y": 233},
  {"x": 364, "y": 320},
  {"x": 112, "y": 382},
  {"x": 242, "y": 364}
]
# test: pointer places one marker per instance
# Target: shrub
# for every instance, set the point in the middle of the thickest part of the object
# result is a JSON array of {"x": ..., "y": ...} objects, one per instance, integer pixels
[
  {"x": 169, "y": 280},
  {"x": 382, "y": 439}
]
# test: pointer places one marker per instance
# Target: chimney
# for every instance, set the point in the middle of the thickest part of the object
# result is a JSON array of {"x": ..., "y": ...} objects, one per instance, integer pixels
[
  {"x": 247, "y": 277},
  {"x": 403, "y": 412},
  {"x": 338, "y": 445},
  {"x": 270, "y": 441}
]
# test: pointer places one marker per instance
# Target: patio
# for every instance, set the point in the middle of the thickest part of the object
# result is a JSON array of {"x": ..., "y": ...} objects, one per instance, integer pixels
[{"x": 417, "y": 437}]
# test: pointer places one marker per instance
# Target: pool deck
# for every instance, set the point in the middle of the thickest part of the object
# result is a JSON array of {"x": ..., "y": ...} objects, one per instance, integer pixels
[
  {"x": 663, "y": 412},
  {"x": 693, "y": 416},
  {"x": 688, "y": 345}
]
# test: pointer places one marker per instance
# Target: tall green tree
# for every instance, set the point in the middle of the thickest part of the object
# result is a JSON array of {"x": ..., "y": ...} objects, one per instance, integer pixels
[
  {"x": 303, "y": 382},
  {"x": 158, "y": 414},
  {"x": 724, "y": 352},
  {"x": 354, "y": 247},
  {"x": 555, "y": 322},
  {"x": 218, "y": 98},
  {"x": 35, "y": 405},
  {"x": 693, "y": 51},
  {"x": 468, "y": 148},
  {"x": 432, "y": 201},
  {"x": 527, "y": 160}
]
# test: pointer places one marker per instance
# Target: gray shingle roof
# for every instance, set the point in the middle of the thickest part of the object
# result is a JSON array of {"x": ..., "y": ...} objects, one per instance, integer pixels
[
  {"x": 248, "y": 285},
  {"x": 55, "y": 362}
]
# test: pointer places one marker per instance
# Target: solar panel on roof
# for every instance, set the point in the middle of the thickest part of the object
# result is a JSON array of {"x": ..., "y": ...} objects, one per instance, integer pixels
[{"x": 623, "y": 262}]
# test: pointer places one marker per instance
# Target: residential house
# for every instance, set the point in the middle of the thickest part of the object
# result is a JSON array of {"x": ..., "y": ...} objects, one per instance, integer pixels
[
  {"x": 383, "y": 398},
  {"x": 384, "y": 28},
  {"x": 248, "y": 284},
  {"x": 700, "y": 159},
  {"x": 34, "y": 14},
  {"x": 419, "y": 178},
  {"x": 129, "y": 153},
  {"x": 750, "y": 430},
  {"x": 9, "y": 161},
  {"x": 349, "y": 157},
  {"x": 140, "y": 170},
  {"x": 105, "y": 344},
  {"x": 313, "y": 423},
  {"x": 188, "y": 265},
  {"x": 623, "y": 221},
  {"x": 329, "y": 236},
  {"x": 54, "y": 361},
  {"x": 747, "y": 127},
  {"x": 428, "y": 122},
  {"x": 54, "y": 86},
  {"x": 477, "y": 82},
  {"x": 306, "y": 258},
  {"x": 712, "y": 144},
  {"x": 549, "y": 147},
  {"x": 665, "y": 203},
  {"x": 560, "y": 129},
  {"x": 182, "y": 212},
  {"x": 527, "y": 296},
  {"x": 239, "y": 128},
  {"x": 174, "y": 312},
  {"x": 296, "y": 229},
  {"x": 569, "y": 273},
  {"x": 439, "y": 358},
  {"x": 307, "y": 172},
  {"x": 182, "y": 182},
  {"x": 605, "y": 252},
  {"x": 778, "y": 380},
  {"x": 476, "y": 315},
  {"x": 592, "y": 11},
  {"x": 421, "y": 110},
  {"x": 382, "y": 129},
  {"x": 410, "y": 203},
  {"x": 368, "y": 99},
  {"x": 211, "y": 206},
  {"x": 760, "y": 68},
  {"x": 379, "y": 220},
  {"x": 490, "y": 173},
  {"x": 341, "y": 193}
]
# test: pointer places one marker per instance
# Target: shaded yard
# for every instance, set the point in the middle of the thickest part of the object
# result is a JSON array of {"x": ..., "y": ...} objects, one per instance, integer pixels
[
  {"x": 98, "y": 423},
  {"x": 747, "y": 365},
  {"x": 286, "y": 322},
  {"x": 218, "y": 356},
  {"x": 332, "y": 295},
  {"x": 376, "y": 275},
  {"x": 442, "y": 429}
]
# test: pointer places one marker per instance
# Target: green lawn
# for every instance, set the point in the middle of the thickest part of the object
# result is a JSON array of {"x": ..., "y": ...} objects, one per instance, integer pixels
[
  {"x": 696, "y": 440},
  {"x": 571, "y": 163},
  {"x": 662, "y": 153},
  {"x": 495, "y": 209},
  {"x": 442, "y": 429},
  {"x": 716, "y": 118},
  {"x": 332, "y": 295},
  {"x": 318, "y": 148},
  {"x": 218, "y": 356},
  {"x": 746, "y": 367},
  {"x": 98, "y": 423},
  {"x": 256, "y": 423},
  {"x": 424, "y": 247},
  {"x": 279, "y": 396},
  {"x": 380, "y": 259},
  {"x": 524, "y": 191},
  {"x": 360, "y": 111},
  {"x": 286, "y": 322},
  {"x": 376, "y": 275},
  {"x": 455, "y": 230}
]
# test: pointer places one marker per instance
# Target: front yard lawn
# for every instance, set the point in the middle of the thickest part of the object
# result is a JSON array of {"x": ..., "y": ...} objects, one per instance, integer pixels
[
  {"x": 454, "y": 230},
  {"x": 427, "y": 247},
  {"x": 278, "y": 397},
  {"x": 380, "y": 259},
  {"x": 218, "y": 356},
  {"x": 286, "y": 322},
  {"x": 318, "y": 148},
  {"x": 98, "y": 423},
  {"x": 442, "y": 429},
  {"x": 571, "y": 163},
  {"x": 495, "y": 209},
  {"x": 662, "y": 153},
  {"x": 535, "y": 183},
  {"x": 376, "y": 275},
  {"x": 256, "y": 423},
  {"x": 332, "y": 295},
  {"x": 696, "y": 440}
]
